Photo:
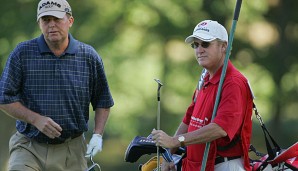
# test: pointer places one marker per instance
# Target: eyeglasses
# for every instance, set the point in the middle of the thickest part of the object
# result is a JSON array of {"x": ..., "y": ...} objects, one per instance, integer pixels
[{"x": 195, "y": 45}]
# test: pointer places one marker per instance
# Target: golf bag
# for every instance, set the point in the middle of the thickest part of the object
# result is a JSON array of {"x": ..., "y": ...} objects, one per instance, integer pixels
[
  {"x": 277, "y": 159},
  {"x": 140, "y": 146}
]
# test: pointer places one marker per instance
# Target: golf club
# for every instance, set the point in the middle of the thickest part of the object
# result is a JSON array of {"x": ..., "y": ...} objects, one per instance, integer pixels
[
  {"x": 222, "y": 77},
  {"x": 158, "y": 118},
  {"x": 94, "y": 165}
]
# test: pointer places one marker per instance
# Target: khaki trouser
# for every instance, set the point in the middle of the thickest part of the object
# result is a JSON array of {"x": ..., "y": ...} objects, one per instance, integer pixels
[{"x": 29, "y": 155}]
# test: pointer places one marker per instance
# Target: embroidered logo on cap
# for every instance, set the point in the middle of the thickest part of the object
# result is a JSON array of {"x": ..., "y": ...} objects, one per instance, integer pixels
[
  {"x": 203, "y": 24},
  {"x": 49, "y": 4},
  {"x": 201, "y": 27}
]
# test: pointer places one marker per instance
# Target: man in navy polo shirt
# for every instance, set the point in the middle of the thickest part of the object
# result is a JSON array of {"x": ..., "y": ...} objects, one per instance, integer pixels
[{"x": 48, "y": 84}]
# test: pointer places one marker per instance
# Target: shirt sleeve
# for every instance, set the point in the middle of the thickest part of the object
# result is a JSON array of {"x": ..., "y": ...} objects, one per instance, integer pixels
[
  {"x": 230, "y": 110},
  {"x": 101, "y": 97},
  {"x": 11, "y": 79}
]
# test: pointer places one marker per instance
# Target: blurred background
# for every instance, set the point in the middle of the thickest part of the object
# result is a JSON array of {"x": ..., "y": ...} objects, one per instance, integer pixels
[{"x": 140, "y": 40}]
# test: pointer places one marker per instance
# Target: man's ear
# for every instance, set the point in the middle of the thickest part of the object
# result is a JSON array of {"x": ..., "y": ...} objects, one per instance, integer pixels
[
  {"x": 224, "y": 47},
  {"x": 71, "y": 21}
]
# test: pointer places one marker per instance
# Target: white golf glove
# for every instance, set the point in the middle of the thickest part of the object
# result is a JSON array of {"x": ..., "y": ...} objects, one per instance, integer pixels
[{"x": 95, "y": 145}]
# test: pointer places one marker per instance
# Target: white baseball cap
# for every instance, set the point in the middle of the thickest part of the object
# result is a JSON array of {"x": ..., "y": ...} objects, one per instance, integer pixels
[
  {"x": 56, "y": 8},
  {"x": 208, "y": 31}
]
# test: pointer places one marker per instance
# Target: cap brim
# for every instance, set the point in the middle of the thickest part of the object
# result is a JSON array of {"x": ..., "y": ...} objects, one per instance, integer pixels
[
  {"x": 58, "y": 14},
  {"x": 200, "y": 36}
]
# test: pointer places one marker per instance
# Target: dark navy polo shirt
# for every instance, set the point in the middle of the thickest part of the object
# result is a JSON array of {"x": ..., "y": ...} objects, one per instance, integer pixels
[{"x": 61, "y": 88}]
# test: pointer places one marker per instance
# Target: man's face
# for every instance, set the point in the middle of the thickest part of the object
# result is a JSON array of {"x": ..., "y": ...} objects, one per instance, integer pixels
[
  {"x": 209, "y": 55},
  {"x": 55, "y": 30}
]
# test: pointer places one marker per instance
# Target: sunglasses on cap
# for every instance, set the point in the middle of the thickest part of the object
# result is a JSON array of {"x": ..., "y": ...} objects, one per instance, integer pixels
[{"x": 195, "y": 45}]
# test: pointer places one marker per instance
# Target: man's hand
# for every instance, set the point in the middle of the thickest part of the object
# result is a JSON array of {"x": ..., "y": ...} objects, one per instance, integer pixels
[
  {"x": 164, "y": 140},
  {"x": 166, "y": 166},
  {"x": 95, "y": 145},
  {"x": 44, "y": 124},
  {"x": 47, "y": 126}
]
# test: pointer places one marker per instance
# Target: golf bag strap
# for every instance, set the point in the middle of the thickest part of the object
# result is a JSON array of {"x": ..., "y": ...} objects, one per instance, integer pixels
[
  {"x": 200, "y": 84},
  {"x": 270, "y": 149},
  {"x": 230, "y": 145},
  {"x": 252, "y": 148}
]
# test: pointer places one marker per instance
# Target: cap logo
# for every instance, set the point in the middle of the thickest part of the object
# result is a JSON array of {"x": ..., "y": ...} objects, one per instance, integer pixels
[
  {"x": 67, "y": 10},
  {"x": 49, "y": 4},
  {"x": 201, "y": 27},
  {"x": 203, "y": 24}
]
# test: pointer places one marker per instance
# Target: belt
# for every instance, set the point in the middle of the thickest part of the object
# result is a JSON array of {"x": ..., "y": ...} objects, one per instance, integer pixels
[
  {"x": 220, "y": 159},
  {"x": 59, "y": 140}
]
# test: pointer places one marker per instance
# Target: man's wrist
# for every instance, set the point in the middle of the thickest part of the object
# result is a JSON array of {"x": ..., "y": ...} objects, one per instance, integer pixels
[
  {"x": 97, "y": 132},
  {"x": 97, "y": 135}
]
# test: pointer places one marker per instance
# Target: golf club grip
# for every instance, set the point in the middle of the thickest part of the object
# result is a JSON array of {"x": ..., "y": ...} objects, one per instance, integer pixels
[{"x": 237, "y": 9}]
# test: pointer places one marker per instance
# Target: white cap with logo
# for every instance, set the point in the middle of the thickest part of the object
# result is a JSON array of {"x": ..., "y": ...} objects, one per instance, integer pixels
[
  {"x": 208, "y": 31},
  {"x": 56, "y": 8}
]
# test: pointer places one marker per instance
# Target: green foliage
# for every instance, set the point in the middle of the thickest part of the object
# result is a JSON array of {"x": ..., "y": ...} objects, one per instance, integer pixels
[{"x": 143, "y": 40}]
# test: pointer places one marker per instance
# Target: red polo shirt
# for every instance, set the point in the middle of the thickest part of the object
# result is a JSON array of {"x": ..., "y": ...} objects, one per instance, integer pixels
[{"x": 234, "y": 109}]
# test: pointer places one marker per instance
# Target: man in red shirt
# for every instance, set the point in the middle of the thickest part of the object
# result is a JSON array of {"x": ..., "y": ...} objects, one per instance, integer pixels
[{"x": 230, "y": 131}]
